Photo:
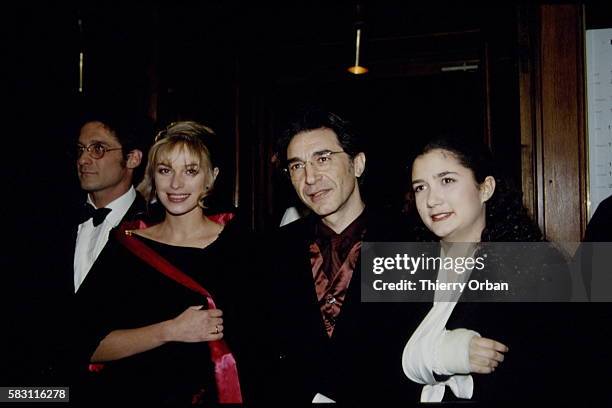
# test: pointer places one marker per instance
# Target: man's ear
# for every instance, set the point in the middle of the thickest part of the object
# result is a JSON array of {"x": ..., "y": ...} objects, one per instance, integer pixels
[
  {"x": 487, "y": 188},
  {"x": 134, "y": 158},
  {"x": 359, "y": 162}
]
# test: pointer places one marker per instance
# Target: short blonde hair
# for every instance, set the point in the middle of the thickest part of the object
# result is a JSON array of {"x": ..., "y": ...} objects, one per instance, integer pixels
[{"x": 195, "y": 138}]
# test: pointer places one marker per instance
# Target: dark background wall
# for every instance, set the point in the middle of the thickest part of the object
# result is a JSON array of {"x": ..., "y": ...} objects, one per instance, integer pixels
[{"x": 243, "y": 67}]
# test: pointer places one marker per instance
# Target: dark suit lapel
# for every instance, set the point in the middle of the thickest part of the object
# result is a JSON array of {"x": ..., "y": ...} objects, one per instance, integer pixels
[
  {"x": 350, "y": 314},
  {"x": 70, "y": 246},
  {"x": 70, "y": 255},
  {"x": 297, "y": 252}
]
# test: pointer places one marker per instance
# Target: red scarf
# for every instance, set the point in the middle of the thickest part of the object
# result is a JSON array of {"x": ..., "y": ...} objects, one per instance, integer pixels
[{"x": 226, "y": 372}]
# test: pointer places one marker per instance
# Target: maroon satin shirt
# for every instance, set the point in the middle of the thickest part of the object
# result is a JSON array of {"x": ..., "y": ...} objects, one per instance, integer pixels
[{"x": 333, "y": 258}]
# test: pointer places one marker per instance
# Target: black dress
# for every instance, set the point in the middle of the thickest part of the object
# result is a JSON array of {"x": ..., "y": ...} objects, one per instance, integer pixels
[{"x": 132, "y": 294}]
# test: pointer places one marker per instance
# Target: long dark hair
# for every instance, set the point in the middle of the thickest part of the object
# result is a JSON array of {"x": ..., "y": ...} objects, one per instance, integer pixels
[{"x": 507, "y": 219}]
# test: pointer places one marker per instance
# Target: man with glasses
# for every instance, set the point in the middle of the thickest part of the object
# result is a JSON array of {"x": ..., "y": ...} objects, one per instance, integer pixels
[
  {"x": 108, "y": 155},
  {"x": 110, "y": 149},
  {"x": 326, "y": 344}
]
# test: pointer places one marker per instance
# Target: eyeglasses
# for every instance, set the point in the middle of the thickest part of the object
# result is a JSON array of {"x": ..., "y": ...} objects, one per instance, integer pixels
[
  {"x": 96, "y": 150},
  {"x": 320, "y": 161}
]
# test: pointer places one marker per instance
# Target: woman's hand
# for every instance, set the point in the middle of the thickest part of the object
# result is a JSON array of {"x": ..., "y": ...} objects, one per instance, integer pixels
[
  {"x": 196, "y": 325},
  {"x": 485, "y": 354}
]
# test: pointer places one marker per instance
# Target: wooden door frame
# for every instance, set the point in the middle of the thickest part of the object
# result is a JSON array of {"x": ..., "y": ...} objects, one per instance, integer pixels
[{"x": 552, "y": 118}]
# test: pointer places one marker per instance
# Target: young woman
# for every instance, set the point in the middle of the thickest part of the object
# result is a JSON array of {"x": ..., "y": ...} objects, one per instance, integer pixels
[
  {"x": 167, "y": 323},
  {"x": 463, "y": 204}
]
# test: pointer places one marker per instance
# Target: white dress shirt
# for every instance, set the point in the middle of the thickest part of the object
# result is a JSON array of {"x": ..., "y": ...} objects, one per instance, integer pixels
[{"x": 91, "y": 240}]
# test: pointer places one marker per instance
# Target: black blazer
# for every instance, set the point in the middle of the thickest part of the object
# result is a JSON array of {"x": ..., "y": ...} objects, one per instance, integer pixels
[
  {"x": 594, "y": 257},
  {"x": 600, "y": 225},
  {"x": 65, "y": 236},
  {"x": 137, "y": 211},
  {"x": 362, "y": 360},
  {"x": 544, "y": 347},
  {"x": 66, "y": 362}
]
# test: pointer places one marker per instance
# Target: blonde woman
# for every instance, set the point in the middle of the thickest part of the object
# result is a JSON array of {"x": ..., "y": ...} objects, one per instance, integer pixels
[{"x": 166, "y": 319}]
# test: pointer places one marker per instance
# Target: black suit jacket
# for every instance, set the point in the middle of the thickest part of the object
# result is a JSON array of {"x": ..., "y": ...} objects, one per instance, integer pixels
[
  {"x": 594, "y": 257},
  {"x": 544, "y": 348},
  {"x": 66, "y": 360},
  {"x": 362, "y": 360},
  {"x": 136, "y": 211},
  {"x": 600, "y": 225},
  {"x": 65, "y": 235}
]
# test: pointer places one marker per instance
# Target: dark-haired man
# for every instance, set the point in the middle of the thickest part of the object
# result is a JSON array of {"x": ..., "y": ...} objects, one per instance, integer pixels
[
  {"x": 109, "y": 151},
  {"x": 328, "y": 345}
]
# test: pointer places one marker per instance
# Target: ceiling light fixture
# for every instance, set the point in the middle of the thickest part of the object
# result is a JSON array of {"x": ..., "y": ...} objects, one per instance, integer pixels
[{"x": 357, "y": 69}]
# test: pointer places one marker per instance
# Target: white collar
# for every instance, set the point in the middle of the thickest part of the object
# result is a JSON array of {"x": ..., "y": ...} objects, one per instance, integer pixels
[{"x": 119, "y": 206}]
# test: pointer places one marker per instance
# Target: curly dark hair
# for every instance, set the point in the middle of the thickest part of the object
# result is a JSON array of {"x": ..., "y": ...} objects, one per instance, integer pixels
[{"x": 507, "y": 219}]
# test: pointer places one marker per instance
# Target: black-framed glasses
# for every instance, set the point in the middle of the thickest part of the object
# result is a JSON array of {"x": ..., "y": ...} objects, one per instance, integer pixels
[
  {"x": 321, "y": 161},
  {"x": 96, "y": 150}
]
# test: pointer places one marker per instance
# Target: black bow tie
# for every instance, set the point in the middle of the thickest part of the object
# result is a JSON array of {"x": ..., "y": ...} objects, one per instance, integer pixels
[{"x": 98, "y": 214}]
